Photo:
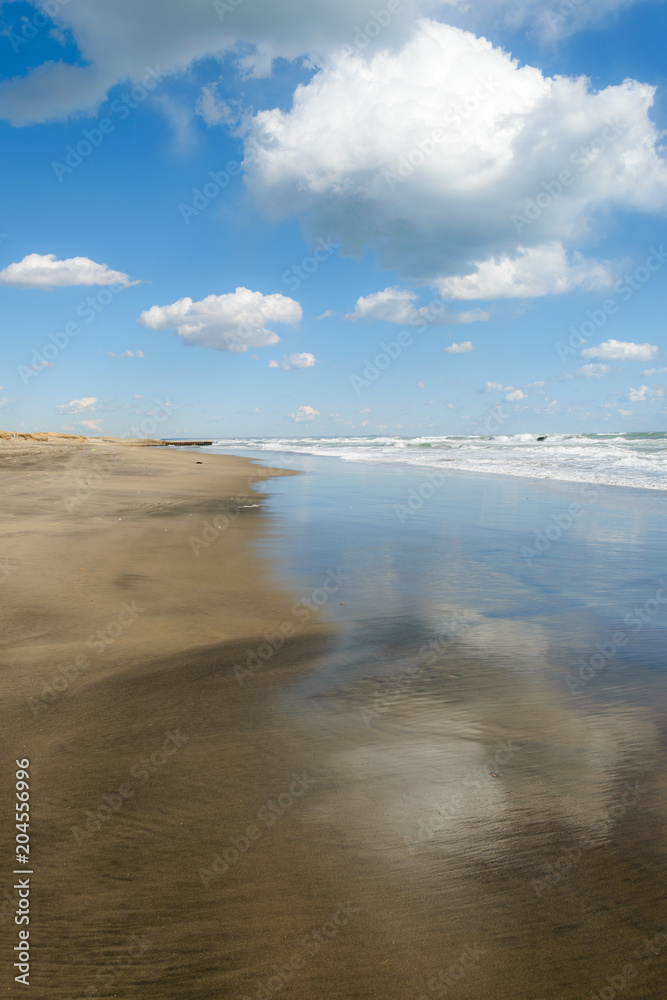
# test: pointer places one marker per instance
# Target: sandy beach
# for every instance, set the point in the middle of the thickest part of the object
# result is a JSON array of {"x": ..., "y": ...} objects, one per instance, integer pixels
[
  {"x": 282, "y": 746},
  {"x": 131, "y": 590}
]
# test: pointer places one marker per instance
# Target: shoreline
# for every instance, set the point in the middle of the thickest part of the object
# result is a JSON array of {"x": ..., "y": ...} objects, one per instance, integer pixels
[
  {"x": 230, "y": 797},
  {"x": 438, "y": 455},
  {"x": 482, "y": 474}
]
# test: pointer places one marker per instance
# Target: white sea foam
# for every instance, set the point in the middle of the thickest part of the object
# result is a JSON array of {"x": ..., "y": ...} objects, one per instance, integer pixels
[{"x": 617, "y": 459}]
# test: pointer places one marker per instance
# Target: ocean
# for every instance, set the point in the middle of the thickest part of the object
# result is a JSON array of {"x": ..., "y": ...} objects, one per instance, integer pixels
[
  {"x": 486, "y": 726},
  {"x": 614, "y": 459}
]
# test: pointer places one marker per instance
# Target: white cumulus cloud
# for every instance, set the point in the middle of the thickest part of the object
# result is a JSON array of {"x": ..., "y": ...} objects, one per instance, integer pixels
[
  {"x": 643, "y": 393},
  {"x": 621, "y": 350},
  {"x": 87, "y": 404},
  {"x": 534, "y": 271},
  {"x": 376, "y": 152},
  {"x": 463, "y": 348},
  {"x": 515, "y": 396},
  {"x": 395, "y": 305},
  {"x": 303, "y": 360},
  {"x": 304, "y": 413},
  {"x": 594, "y": 371},
  {"x": 232, "y": 322},
  {"x": 498, "y": 387},
  {"x": 654, "y": 371},
  {"x": 46, "y": 271},
  {"x": 117, "y": 40}
]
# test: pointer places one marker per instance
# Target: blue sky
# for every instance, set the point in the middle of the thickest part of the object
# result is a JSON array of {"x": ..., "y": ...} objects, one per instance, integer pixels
[{"x": 386, "y": 196}]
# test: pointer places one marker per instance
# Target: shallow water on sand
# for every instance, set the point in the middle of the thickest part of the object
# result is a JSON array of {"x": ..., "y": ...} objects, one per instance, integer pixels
[{"x": 487, "y": 731}]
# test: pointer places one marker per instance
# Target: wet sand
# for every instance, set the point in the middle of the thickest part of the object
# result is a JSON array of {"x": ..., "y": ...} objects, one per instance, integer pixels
[
  {"x": 125, "y": 611},
  {"x": 215, "y": 816}
]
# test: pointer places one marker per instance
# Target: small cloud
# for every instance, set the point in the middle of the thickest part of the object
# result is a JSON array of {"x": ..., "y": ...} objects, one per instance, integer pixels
[
  {"x": 178, "y": 114},
  {"x": 421, "y": 385},
  {"x": 87, "y": 404},
  {"x": 304, "y": 413},
  {"x": 643, "y": 394},
  {"x": 46, "y": 271},
  {"x": 137, "y": 397},
  {"x": 621, "y": 350},
  {"x": 92, "y": 425},
  {"x": 304, "y": 360},
  {"x": 3, "y": 402},
  {"x": 274, "y": 364},
  {"x": 127, "y": 354},
  {"x": 463, "y": 348},
  {"x": 396, "y": 305},
  {"x": 325, "y": 315},
  {"x": 256, "y": 410},
  {"x": 535, "y": 271},
  {"x": 625, "y": 413},
  {"x": 366, "y": 409},
  {"x": 212, "y": 109},
  {"x": 231, "y": 322},
  {"x": 512, "y": 395},
  {"x": 593, "y": 370},
  {"x": 536, "y": 385},
  {"x": 653, "y": 371}
]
